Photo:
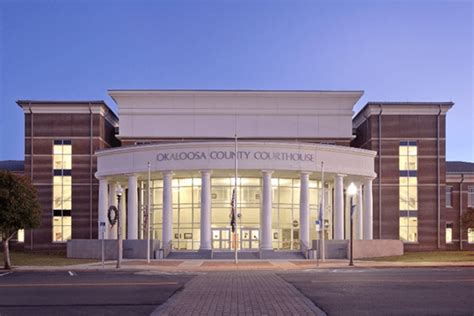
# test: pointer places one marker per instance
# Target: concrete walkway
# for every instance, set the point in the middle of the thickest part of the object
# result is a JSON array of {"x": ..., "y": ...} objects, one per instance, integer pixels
[
  {"x": 238, "y": 293},
  {"x": 243, "y": 265}
]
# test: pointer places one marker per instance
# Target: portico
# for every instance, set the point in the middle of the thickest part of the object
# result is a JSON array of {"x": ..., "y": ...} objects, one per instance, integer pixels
[{"x": 278, "y": 197}]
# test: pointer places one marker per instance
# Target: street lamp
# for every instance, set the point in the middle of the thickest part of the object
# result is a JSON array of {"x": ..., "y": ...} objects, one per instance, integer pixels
[
  {"x": 352, "y": 190},
  {"x": 119, "y": 192}
]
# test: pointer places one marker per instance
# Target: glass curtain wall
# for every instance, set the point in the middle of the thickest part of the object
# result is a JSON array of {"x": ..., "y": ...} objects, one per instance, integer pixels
[
  {"x": 248, "y": 206},
  {"x": 286, "y": 212},
  {"x": 186, "y": 212}
]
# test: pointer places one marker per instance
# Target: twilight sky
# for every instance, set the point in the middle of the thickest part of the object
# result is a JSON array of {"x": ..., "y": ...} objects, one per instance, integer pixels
[{"x": 393, "y": 50}]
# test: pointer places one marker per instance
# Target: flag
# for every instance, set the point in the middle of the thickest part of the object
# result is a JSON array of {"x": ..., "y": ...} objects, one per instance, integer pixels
[{"x": 232, "y": 212}]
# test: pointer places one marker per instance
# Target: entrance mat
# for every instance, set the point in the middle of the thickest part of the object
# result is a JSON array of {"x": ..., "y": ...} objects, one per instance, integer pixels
[
  {"x": 240, "y": 264},
  {"x": 163, "y": 263}
]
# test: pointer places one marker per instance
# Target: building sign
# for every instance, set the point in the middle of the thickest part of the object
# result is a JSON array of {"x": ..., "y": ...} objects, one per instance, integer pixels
[{"x": 230, "y": 155}]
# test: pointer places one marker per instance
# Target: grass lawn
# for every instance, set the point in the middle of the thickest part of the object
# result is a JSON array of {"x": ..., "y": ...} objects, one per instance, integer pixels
[
  {"x": 19, "y": 258},
  {"x": 431, "y": 256}
]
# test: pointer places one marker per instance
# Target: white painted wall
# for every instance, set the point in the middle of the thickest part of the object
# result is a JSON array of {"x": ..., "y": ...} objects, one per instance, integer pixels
[{"x": 259, "y": 114}]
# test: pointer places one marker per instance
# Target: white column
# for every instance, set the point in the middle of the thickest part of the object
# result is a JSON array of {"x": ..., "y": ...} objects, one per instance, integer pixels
[
  {"x": 304, "y": 211},
  {"x": 358, "y": 215},
  {"x": 368, "y": 210},
  {"x": 205, "y": 210},
  {"x": 112, "y": 201},
  {"x": 132, "y": 208},
  {"x": 339, "y": 207},
  {"x": 103, "y": 201},
  {"x": 123, "y": 215},
  {"x": 167, "y": 208},
  {"x": 266, "y": 214}
]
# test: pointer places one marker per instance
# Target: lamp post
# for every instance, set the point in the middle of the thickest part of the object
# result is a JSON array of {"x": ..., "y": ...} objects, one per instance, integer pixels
[
  {"x": 119, "y": 192},
  {"x": 352, "y": 190},
  {"x": 148, "y": 216}
]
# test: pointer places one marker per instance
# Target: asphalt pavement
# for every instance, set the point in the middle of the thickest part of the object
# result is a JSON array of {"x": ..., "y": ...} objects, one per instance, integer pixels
[
  {"x": 405, "y": 291},
  {"x": 86, "y": 292},
  {"x": 334, "y": 291}
]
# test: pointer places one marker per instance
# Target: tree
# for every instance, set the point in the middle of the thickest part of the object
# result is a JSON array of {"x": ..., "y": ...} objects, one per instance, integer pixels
[
  {"x": 467, "y": 219},
  {"x": 19, "y": 209}
]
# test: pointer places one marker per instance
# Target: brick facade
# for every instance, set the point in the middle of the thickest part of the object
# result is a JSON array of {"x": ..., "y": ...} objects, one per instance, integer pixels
[
  {"x": 381, "y": 127},
  {"x": 459, "y": 181},
  {"x": 90, "y": 127}
]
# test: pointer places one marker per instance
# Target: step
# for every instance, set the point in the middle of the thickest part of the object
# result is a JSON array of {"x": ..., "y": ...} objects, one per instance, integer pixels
[{"x": 229, "y": 255}]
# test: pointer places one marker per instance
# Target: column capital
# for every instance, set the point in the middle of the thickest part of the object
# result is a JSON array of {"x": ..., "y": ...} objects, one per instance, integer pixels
[
  {"x": 368, "y": 179},
  {"x": 167, "y": 173},
  {"x": 265, "y": 171},
  {"x": 205, "y": 171},
  {"x": 131, "y": 175},
  {"x": 340, "y": 175},
  {"x": 102, "y": 179},
  {"x": 306, "y": 172}
]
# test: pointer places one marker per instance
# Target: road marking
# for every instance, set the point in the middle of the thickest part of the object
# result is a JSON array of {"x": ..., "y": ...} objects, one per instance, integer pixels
[
  {"x": 3, "y": 274},
  {"x": 71, "y": 273},
  {"x": 87, "y": 284},
  {"x": 390, "y": 281}
]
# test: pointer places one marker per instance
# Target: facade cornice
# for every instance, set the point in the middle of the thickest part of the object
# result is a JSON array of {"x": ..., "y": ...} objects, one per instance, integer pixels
[
  {"x": 189, "y": 145},
  {"x": 400, "y": 108},
  {"x": 69, "y": 107},
  {"x": 255, "y": 156},
  {"x": 457, "y": 177},
  {"x": 293, "y": 93}
]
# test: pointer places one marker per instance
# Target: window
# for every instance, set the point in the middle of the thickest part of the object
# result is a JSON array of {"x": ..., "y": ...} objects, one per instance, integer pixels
[
  {"x": 408, "y": 194},
  {"x": 408, "y": 191},
  {"x": 470, "y": 196},
  {"x": 408, "y": 153},
  {"x": 62, "y": 190},
  {"x": 20, "y": 235},
  {"x": 470, "y": 235},
  {"x": 409, "y": 229},
  {"x": 449, "y": 194},
  {"x": 62, "y": 155},
  {"x": 449, "y": 233}
]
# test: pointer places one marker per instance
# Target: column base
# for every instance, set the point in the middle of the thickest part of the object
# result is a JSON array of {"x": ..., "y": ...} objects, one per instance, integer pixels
[
  {"x": 267, "y": 254},
  {"x": 205, "y": 253}
]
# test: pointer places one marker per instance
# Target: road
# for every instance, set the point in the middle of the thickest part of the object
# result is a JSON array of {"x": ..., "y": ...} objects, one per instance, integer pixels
[
  {"x": 86, "y": 293},
  {"x": 357, "y": 291},
  {"x": 403, "y": 291}
]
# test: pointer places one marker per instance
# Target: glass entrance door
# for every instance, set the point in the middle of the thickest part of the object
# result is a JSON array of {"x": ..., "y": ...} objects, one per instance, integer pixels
[
  {"x": 290, "y": 238},
  {"x": 250, "y": 239},
  {"x": 221, "y": 238}
]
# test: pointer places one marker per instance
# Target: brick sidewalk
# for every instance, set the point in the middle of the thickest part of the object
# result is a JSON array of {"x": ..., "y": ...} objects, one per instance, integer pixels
[{"x": 238, "y": 293}]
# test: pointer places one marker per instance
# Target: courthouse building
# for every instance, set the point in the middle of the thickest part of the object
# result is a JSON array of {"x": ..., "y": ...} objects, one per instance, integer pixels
[{"x": 297, "y": 152}]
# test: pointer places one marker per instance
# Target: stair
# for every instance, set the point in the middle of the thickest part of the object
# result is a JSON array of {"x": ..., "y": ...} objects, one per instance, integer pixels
[
  {"x": 248, "y": 255},
  {"x": 229, "y": 255},
  {"x": 188, "y": 255},
  {"x": 288, "y": 255}
]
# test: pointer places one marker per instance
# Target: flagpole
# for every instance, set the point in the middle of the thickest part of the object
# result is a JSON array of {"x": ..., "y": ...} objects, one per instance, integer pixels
[
  {"x": 323, "y": 224},
  {"x": 235, "y": 207},
  {"x": 148, "y": 212}
]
